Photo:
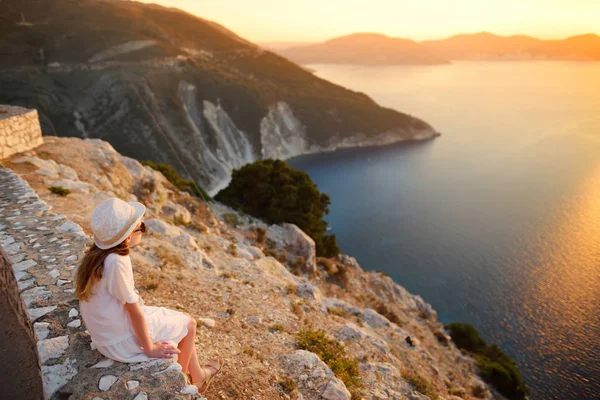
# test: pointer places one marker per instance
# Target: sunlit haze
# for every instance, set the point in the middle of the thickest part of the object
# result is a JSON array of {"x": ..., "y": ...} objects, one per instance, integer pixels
[{"x": 316, "y": 20}]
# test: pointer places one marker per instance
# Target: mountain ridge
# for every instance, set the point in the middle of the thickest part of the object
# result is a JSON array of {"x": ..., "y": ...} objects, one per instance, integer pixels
[
  {"x": 475, "y": 46},
  {"x": 164, "y": 85}
]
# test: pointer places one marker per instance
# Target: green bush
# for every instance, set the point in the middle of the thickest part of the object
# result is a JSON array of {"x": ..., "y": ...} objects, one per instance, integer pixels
[
  {"x": 275, "y": 192},
  {"x": 465, "y": 336},
  {"x": 172, "y": 176},
  {"x": 59, "y": 190},
  {"x": 333, "y": 353},
  {"x": 494, "y": 366}
]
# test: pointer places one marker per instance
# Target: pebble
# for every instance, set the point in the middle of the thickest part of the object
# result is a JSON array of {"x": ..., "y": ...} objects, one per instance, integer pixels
[
  {"x": 141, "y": 396},
  {"x": 104, "y": 363},
  {"x": 71, "y": 258},
  {"x": 106, "y": 382},
  {"x": 61, "y": 282},
  {"x": 133, "y": 384},
  {"x": 74, "y": 324},
  {"x": 73, "y": 313},
  {"x": 207, "y": 322},
  {"x": 54, "y": 273}
]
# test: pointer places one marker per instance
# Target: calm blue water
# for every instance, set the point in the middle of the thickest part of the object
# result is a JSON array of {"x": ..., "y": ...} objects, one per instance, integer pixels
[{"x": 496, "y": 222}]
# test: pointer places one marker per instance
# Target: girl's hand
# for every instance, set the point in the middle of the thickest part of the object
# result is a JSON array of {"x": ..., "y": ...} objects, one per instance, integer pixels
[{"x": 162, "y": 350}]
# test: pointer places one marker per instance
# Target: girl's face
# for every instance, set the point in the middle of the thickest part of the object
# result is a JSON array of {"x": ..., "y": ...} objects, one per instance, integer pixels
[{"x": 136, "y": 235}]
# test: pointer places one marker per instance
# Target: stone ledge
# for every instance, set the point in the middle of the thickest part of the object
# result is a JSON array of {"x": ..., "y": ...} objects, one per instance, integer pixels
[{"x": 34, "y": 239}]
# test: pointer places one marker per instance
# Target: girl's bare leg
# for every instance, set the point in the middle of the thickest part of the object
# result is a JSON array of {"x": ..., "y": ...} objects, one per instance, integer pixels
[
  {"x": 188, "y": 358},
  {"x": 187, "y": 347}
]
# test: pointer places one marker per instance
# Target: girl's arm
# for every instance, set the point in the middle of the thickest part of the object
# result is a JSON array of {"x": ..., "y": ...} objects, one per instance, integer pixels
[{"x": 155, "y": 350}]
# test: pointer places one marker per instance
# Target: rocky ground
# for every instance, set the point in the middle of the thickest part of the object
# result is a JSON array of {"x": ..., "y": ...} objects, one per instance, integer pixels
[{"x": 215, "y": 264}]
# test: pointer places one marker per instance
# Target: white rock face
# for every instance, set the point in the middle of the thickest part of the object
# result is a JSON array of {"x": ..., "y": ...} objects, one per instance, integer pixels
[
  {"x": 229, "y": 147},
  {"x": 282, "y": 136},
  {"x": 52, "y": 348}
]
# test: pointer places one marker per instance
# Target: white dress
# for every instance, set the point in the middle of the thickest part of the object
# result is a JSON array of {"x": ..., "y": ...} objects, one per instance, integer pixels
[{"x": 108, "y": 322}]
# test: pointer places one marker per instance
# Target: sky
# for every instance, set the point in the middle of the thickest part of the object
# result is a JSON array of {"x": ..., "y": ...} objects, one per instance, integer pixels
[{"x": 318, "y": 20}]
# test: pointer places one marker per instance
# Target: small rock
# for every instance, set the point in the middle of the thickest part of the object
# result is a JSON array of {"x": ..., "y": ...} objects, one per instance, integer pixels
[
  {"x": 207, "y": 322},
  {"x": 74, "y": 324},
  {"x": 253, "y": 320},
  {"x": 61, "y": 282},
  {"x": 141, "y": 396},
  {"x": 133, "y": 384},
  {"x": 54, "y": 273},
  {"x": 71, "y": 258},
  {"x": 106, "y": 382},
  {"x": 104, "y": 363},
  {"x": 42, "y": 330},
  {"x": 73, "y": 313},
  {"x": 189, "y": 389}
]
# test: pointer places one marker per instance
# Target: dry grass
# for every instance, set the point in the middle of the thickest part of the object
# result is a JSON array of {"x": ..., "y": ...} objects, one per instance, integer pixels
[
  {"x": 334, "y": 354},
  {"x": 420, "y": 384},
  {"x": 297, "y": 310},
  {"x": 340, "y": 312},
  {"x": 170, "y": 260}
]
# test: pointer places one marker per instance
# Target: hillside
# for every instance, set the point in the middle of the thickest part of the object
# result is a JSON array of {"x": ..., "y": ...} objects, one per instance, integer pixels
[
  {"x": 164, "y": 85},
  {"x": 208, "y": 260},
  {"x": 365, "y": 49}
]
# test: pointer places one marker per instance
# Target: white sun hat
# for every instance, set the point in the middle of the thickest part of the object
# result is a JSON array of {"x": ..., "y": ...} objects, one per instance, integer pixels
[{"x": 114, "y": 219}]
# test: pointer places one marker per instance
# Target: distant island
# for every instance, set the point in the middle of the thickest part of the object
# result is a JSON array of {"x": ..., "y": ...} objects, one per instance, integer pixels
[
  {"x": 378, "y": 49},
  {"x": 364, "y": 48}
]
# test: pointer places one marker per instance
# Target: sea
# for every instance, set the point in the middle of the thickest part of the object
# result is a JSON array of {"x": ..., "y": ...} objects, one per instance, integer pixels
[{"x": 496, "y": 222}]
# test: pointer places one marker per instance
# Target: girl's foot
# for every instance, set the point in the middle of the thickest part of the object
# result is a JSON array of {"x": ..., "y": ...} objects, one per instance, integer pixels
[{"x": 209, "y": 371}]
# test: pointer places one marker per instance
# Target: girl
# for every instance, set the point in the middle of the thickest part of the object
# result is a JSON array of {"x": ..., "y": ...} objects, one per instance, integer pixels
[{"x": 121, "y": 326}]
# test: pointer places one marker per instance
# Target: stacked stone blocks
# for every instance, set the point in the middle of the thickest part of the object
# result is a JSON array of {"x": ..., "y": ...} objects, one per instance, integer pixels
[
  {"x": 19, "y": 130},
  {"x": 43, "y": 250}
]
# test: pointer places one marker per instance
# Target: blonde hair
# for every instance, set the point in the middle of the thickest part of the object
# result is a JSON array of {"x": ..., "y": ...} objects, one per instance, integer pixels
[{"x": 90, "y": 269}]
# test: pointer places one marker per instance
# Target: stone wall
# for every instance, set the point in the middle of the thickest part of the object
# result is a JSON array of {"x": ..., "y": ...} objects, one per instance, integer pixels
[
  {"x": 19, "y": 344},
  {"x": 44, "y": 249},
  {"x": 19, "y": 130}
]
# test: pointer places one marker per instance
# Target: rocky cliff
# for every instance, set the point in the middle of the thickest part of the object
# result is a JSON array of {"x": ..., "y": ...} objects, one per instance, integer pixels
[
  {"x": 163, "y": 85},
  {"x": 248, "y": 290}
]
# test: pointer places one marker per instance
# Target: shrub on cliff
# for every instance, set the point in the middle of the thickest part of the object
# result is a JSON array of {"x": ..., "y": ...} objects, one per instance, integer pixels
[
  {"x": 275, "y": 192},
  {"x": 494, "y": 366},
  {"x": 172, "y": 176},
  {"x": 465, "y": 336}
]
